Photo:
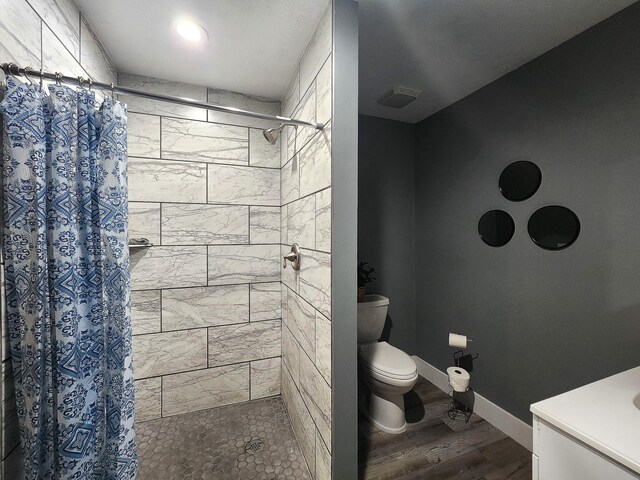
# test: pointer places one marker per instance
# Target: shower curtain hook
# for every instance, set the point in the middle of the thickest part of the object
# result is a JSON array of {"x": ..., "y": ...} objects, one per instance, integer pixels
[
  {"x": 90, "y": 82},
  {"x": 41, "y": 78},
  {"x": 80, "y": 81},
  {"x": 112, "y": 96},
  {"x": 58, "y": 79},
  {"x": 27, "y": 71}
]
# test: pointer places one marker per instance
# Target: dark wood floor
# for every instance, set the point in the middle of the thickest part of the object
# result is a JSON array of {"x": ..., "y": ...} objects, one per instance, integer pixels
[{"x": 435, "y": 448}]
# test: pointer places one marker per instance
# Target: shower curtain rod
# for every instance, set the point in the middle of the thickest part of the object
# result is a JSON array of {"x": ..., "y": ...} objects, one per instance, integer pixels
[{"x": 13, "y": 69}]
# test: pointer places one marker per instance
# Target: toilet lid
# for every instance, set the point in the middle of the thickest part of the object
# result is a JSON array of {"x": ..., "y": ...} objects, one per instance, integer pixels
[{"x": 387, "y": 360}]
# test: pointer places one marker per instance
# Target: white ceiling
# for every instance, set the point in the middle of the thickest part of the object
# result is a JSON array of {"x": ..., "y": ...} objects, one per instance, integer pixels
[
  {"x": 450, "y": 48},
  {"x": 253, "y": 45}
]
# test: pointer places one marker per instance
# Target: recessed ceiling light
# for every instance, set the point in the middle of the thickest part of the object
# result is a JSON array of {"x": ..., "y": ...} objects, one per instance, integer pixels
[{"x": 190, "y": 30}]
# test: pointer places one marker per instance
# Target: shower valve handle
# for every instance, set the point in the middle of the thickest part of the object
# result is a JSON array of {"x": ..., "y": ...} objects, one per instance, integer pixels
[{"x": 293, "y": 256}]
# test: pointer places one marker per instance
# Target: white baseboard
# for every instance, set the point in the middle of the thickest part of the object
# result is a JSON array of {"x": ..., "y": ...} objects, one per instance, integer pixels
[{"x": 520, "y": 431}]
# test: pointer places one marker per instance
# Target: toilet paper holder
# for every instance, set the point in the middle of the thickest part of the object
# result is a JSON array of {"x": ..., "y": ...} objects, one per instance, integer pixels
[{"x": 464, "y": 361}]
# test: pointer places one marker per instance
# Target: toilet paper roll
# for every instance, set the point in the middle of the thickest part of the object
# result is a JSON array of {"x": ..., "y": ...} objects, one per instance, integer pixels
[
  {"x": 459, "y": 379},
  {"x": 459, "y": 341}
]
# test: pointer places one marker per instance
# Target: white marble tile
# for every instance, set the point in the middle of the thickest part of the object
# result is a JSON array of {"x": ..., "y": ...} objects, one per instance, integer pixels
[
  {"x": 244, "y": 264},
  {"x": 261, "y": 152},
  {"x": 283, "y": 146},
  {"x": 169, "y": 352},
  {"x": 148, "y": 399},
  {"x": 315, "y": 281},
  {"x": 184, "y": 224},
  {"x": 323, "y": 346},
  {"x": 301, "y": 224},
  {"x": 300, "y": 318},
  {"x": 264, "y": 224},
  {"x": 167, "y": 181},
  {"x": 168, "y": 267},
  {"x": 323, "y": 459},
  {"x": 315, "y": 163},
  {"x": 324, "y": 88},
  {"x": 266, "y": 301},
  {"x": 204, "y": 306},
  {"x": 20, "y": 34},
  {"x": 145, "y": 311},
  {"x": 289, "y": 276},
  {"x": 317, "y": 396},
  {"x": 265, "y": 378},
  {"x": 252, "y": 103},
  {"x": 143, "y": 135},
  {"x": 244, "y": 342},
  {"x": 293, "y": 145},
  {"x": 323, "y": 220},
  {"x": 204, "y": 142},
  {"x": 306, "y": 112},
  {"x": 63, "y": 18},
  {"x": 56, "y": 58},
  {"x": 301, "y": 420},
  {"x": 244, "y": 185},
  {"x": 290, "y": 181},
  {"x": 94, "y": 58},
  {"x": 165, "y": 87},
  {"x": 291, "y": 96},
  {"x": 144, "y": 221},
  {"x": 213, "y": 387},
  {"x": 283, "y": 224},
  {"x": 291, "y": 354},
  {"x": 318, "y": 49}
]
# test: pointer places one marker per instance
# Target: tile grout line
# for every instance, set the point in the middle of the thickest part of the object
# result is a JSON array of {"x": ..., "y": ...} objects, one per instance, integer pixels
[
  {"x": 161, "y": 322},
  {"x": 202, "y": 369}
]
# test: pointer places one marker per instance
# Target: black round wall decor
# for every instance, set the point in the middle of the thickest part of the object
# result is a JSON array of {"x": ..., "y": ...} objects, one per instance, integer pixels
[
  {"x": 520, "y": 180},
  {"x": 554, "y": 227},
  {"x": 496, "y": 228}
]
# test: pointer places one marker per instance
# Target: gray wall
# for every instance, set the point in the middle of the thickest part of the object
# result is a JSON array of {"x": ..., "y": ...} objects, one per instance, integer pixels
[
  {"x": 544, "y": 322},
  {"x": 386, "y": 160},
  {"x": 344, "y": 169}
]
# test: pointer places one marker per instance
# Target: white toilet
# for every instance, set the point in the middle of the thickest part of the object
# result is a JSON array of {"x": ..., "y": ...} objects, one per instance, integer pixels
[{"x": 386, "y": 372}]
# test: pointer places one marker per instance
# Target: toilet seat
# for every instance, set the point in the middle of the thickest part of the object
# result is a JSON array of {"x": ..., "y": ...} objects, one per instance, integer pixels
[{"x": 387, "y": 362}]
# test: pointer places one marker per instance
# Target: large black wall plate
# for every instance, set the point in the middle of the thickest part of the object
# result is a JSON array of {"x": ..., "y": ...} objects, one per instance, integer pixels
[
  {"x": 520, "y": 180},
  {"x": 554, "y": 227},
  {"x": 496, "y": 228}
]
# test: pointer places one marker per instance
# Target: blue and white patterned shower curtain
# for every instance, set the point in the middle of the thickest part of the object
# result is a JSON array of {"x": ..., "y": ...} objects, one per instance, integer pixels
[{"x": 67, "y": 281}]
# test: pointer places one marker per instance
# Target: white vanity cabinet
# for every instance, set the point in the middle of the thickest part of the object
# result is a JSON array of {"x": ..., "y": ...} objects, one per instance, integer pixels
[
  {"x": 590, "y": 433},
  {"x": 559, "y": 456}
]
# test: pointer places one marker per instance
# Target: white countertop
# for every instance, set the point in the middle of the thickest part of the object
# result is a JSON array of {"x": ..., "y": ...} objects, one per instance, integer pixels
[{"x": 602, "y": 415}]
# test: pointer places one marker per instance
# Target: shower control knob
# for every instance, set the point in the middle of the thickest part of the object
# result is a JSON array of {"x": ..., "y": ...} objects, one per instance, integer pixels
[{"x": 293, "y": 256}]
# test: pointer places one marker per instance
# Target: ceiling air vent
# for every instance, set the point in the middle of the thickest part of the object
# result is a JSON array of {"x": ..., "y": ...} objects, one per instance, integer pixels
[{"x": 398, "y": 97}]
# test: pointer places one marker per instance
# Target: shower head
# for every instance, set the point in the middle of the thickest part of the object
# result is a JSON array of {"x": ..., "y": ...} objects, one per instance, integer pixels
[{"x": 272, "y": 134}]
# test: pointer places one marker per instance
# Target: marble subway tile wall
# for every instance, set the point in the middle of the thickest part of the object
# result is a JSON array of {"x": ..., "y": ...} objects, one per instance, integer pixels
[
  {"x": 305, "y": 218},
  {"x": 54, "y": 35},
  {"x": 204, "y": 188}
]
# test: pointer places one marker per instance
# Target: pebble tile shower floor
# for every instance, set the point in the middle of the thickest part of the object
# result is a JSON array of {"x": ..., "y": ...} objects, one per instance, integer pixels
[{"x": 252, "y": 440}]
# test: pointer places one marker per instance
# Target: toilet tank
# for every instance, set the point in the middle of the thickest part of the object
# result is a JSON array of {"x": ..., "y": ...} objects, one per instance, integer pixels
[{"x": 372, "y": 314}]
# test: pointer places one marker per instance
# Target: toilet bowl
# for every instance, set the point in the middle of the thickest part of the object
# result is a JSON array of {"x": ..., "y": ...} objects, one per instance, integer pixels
[{"x": 386, "y": 372}]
